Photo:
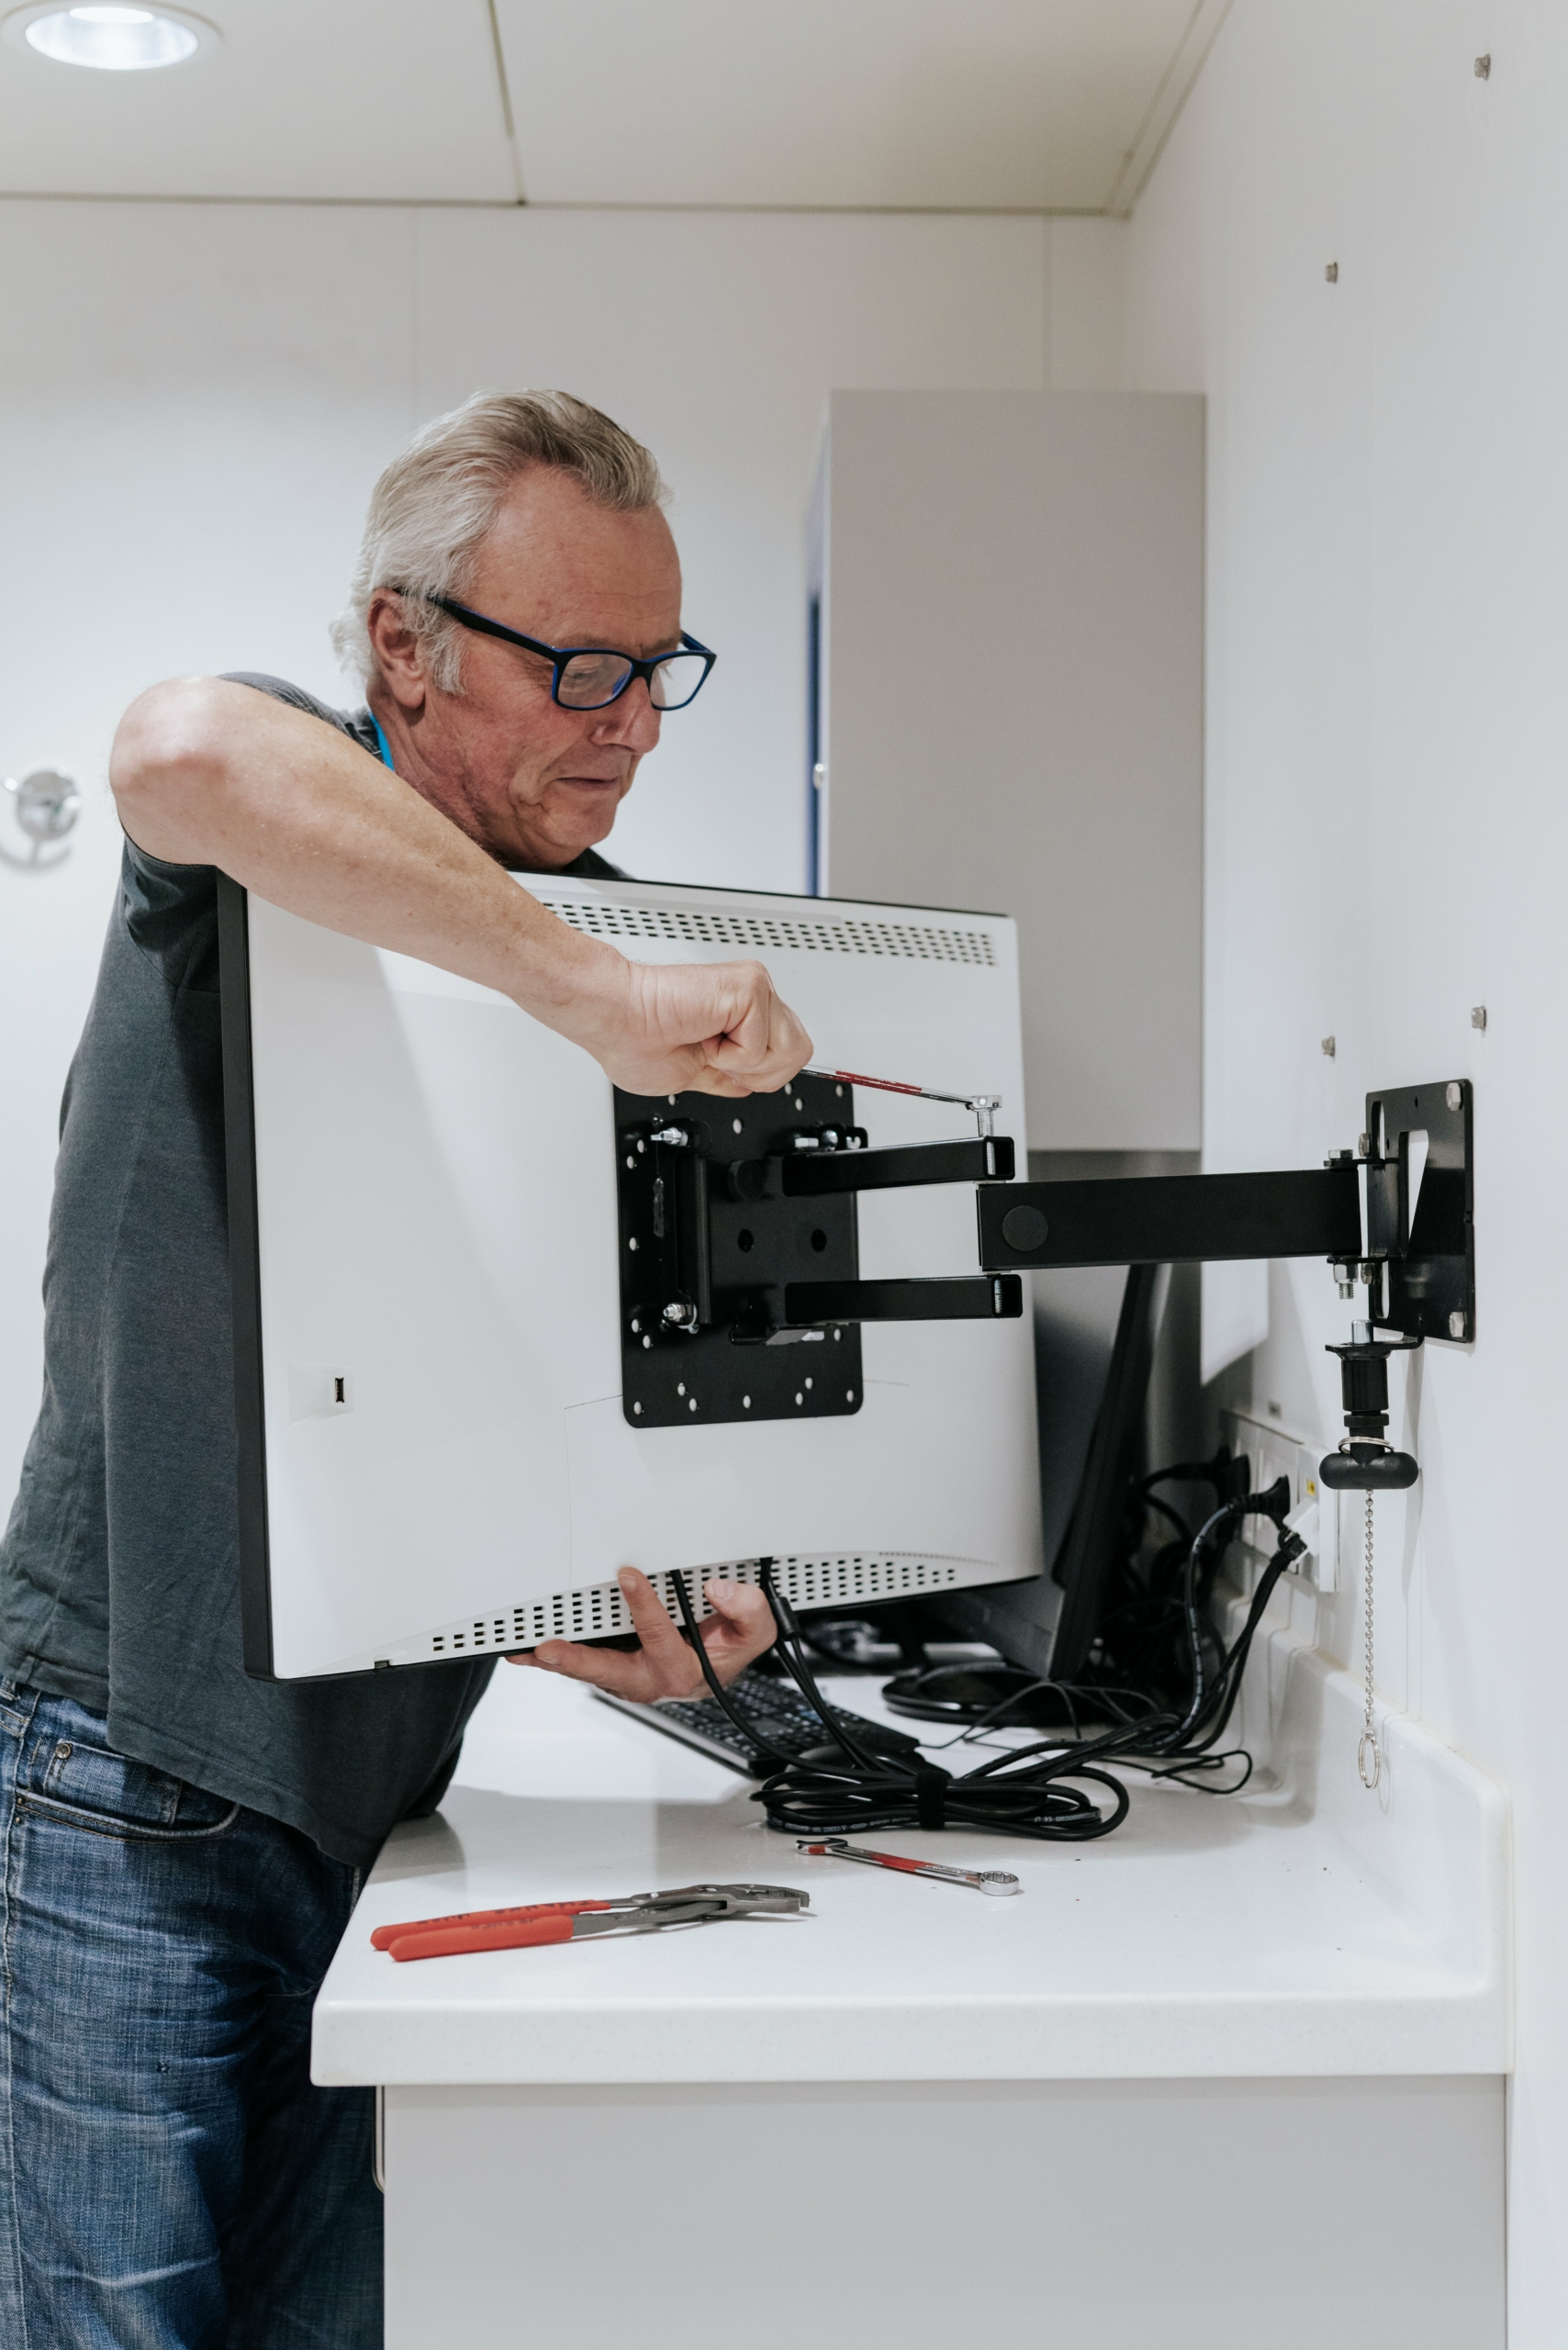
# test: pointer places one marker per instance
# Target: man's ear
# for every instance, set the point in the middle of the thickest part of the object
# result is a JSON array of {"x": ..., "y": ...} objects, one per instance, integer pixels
[{"x": 399, "y": 655}]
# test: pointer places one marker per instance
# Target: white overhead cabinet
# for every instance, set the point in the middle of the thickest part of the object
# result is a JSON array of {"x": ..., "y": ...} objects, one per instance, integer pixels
[{"x": 1007, "y": 633}]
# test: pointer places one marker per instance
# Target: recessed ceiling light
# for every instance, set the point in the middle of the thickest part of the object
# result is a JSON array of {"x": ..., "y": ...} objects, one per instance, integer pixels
[{"x": 115, "y": 40}]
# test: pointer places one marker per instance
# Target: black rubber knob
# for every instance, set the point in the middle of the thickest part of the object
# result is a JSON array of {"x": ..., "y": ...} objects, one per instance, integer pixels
[
  {"x": 1367, "y": 1469},
  {"x": 1025, "y": 1229}
]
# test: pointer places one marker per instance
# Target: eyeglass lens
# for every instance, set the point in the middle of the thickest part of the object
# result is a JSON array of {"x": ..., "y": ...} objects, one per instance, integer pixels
[{"x": 588, "y": 680}]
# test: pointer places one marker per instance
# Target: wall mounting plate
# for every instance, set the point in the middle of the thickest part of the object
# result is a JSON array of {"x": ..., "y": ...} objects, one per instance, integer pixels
[{"x": 1429, "y": 1291}]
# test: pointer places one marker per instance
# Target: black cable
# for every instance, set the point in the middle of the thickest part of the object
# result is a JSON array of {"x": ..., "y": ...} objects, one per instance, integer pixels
[
  {"x": 1152, "y": 1501},
  {"x": 728, "y": 1705},
  {"x": 1026, "y": 1791},
  {"x": 895, "y": 1791}
]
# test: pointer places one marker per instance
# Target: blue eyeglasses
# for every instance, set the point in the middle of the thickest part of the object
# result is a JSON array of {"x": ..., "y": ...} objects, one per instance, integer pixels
[{"x": 588, "y": 677}]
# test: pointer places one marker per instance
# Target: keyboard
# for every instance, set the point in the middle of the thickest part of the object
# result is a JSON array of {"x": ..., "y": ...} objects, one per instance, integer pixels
[{"x": 779, "y": 1710}]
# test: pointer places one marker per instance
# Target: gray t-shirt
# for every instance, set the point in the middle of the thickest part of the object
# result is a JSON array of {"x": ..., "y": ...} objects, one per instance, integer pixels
[{"x": 119, "y": 1582}]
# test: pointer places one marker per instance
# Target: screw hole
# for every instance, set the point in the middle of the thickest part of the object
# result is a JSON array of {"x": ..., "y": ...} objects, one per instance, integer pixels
[
  {"x": 745, "y": 1241},
  {"x": 819, "y": 1241}
]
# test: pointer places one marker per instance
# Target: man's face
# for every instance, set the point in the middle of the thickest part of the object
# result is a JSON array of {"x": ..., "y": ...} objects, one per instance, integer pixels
[{"x": 532, "y": 782}]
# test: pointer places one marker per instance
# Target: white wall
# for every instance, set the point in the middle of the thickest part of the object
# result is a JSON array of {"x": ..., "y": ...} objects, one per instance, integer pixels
[
  {"x": 1387, "y": 724},
  {"x": 194, "y": 401}
]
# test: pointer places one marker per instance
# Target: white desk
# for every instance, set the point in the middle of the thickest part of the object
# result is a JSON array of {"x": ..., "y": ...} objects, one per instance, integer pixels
[{"x": 1235, "y": 2072}]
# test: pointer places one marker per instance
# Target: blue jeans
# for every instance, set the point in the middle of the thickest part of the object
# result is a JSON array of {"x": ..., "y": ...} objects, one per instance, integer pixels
[{"x": 169, "y": 2179}]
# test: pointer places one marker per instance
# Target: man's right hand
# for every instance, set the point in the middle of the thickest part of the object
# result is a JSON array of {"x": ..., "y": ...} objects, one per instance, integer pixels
[{"x": 700, "y": 1027}]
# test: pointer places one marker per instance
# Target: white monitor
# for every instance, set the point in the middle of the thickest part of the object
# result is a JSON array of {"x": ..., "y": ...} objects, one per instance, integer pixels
[{"x": 451, "y": 1434}]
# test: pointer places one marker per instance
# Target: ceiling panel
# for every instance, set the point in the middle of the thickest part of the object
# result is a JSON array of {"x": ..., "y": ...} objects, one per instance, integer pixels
[
  {"x": 1034, "y": 103},
  {"x": 361, "y": 99}
]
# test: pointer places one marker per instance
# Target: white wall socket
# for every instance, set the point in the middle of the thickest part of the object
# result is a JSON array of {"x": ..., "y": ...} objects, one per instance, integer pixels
[{"x": 1275, "y": 1451}]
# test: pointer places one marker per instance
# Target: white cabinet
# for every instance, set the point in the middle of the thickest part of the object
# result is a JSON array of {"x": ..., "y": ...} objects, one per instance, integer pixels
[{"x": 1007, "y": 592}]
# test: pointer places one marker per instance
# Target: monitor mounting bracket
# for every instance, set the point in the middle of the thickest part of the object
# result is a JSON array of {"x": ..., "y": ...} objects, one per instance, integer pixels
[{"x": 741, "y": 1295}]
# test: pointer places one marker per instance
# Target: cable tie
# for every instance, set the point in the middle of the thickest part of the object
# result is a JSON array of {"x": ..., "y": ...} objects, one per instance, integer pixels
[{"x": 931, "y": 1785}]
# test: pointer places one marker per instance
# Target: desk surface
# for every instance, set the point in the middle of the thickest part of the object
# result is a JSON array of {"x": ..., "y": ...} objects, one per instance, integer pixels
[{"x": 1303, "y": 1929}]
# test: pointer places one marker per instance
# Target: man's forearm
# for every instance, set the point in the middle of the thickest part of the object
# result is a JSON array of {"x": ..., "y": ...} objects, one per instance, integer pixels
[{"x": 210, "y": 773}]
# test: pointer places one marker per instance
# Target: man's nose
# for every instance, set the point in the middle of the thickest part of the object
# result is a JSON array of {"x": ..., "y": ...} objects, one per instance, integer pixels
[{"x": 631, "y": 722}]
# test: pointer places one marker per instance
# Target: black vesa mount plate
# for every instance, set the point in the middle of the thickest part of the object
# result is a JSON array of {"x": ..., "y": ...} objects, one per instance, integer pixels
[
  {"x": 674, "y": 1377},
  {"x": 1430, "y": 1259}
]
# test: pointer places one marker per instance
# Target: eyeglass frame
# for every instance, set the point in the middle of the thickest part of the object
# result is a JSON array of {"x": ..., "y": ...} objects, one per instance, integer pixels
[{"x": 559, "y": 656}]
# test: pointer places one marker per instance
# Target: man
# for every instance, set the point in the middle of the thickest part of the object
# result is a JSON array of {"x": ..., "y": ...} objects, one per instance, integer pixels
[{"x": 183, "y": 1845}]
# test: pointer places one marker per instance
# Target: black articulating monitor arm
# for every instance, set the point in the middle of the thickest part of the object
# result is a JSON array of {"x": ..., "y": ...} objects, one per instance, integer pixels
[{"x": 1396, "y": 1215}]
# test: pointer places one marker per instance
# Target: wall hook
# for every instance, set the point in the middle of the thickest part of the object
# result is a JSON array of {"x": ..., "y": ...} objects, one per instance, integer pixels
[{"x": 47, "y": 805}]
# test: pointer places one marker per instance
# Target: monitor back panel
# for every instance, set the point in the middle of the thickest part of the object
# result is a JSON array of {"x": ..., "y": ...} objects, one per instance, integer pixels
[{"x": 428, "y": 1296}]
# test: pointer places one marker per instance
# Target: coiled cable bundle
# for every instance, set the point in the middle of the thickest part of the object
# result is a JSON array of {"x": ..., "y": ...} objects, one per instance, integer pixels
[{"x": 1056, "y": 1789}]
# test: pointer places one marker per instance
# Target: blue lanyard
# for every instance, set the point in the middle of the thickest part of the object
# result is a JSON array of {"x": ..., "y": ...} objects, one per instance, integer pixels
[{"x": 381, "y": 739}]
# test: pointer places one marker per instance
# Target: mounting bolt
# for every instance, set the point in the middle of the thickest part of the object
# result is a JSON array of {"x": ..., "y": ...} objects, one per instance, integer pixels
[
  {"x": 1484, "y": 67},
  {"x": 1478, "y": 1016},
  {"x": 1363, "y": 1146},
  {"x": 1326, "y": 1048},
  {"x": 1457, "y": 1326},
  {"x": 1455, "y": 1095},
  {"x": 1346, "y": 1277}
]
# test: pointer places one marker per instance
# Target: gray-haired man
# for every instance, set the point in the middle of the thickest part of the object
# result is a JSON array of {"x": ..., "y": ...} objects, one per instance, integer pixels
[{"x": 183, "y": 1845}]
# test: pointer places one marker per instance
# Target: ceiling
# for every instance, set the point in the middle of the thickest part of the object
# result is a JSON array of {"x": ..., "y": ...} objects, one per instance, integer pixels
[{"x": 1057, "y": 105}]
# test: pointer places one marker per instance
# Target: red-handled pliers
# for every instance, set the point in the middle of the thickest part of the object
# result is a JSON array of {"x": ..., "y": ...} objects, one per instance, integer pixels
[{"x": 566, "y": 1921}]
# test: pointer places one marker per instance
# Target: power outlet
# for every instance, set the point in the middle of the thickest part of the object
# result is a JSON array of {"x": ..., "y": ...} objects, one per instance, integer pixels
[{"x": 1275, "y": 1451}]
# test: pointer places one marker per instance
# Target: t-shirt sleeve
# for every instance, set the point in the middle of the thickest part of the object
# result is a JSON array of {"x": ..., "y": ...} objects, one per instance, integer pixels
[
  {"x": 294, "y": 695},
  {"x": 171, "y": 911},
  {"x": 170, "y": 914}
]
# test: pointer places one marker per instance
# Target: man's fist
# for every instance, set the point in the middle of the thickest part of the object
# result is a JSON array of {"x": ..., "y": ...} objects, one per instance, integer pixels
[
  {"x": 703, "y": 1028},
  {"x": 737, "y": 1633}
]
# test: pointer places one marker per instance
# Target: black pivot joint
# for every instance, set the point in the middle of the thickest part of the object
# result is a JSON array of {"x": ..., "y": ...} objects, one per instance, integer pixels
[{"x": 1366, "y": 1462}]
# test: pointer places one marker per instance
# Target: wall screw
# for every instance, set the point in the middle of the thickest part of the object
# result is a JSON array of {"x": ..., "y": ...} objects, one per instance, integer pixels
[
  {"x": 1484, "y": 67},
  {"x": 1478, "y": 1016},
  {"x": 1327, "y": 1048},
  {"x": 1332, "y": 273},
  {"x": 1456, "y": 1325}
]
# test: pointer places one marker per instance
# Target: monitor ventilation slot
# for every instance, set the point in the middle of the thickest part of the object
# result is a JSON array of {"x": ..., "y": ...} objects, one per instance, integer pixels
[
  {"x": 599, "y": 1609},
  {"x": 916, "y": 942}
]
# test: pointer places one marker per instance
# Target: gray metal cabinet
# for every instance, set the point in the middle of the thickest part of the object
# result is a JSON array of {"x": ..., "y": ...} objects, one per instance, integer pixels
[{"x": 1009, "y": 633}]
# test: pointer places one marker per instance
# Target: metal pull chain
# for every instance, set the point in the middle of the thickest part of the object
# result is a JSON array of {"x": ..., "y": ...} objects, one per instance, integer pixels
[{"x": 1369, "y": 1754}]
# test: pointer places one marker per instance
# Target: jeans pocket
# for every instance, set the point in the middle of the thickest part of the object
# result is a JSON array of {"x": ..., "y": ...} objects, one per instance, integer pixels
[{"x": 89, "y": 1786}]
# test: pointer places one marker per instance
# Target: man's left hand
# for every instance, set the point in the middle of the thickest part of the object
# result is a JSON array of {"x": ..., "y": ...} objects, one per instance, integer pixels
[{"x": 737, "y": 1633}]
